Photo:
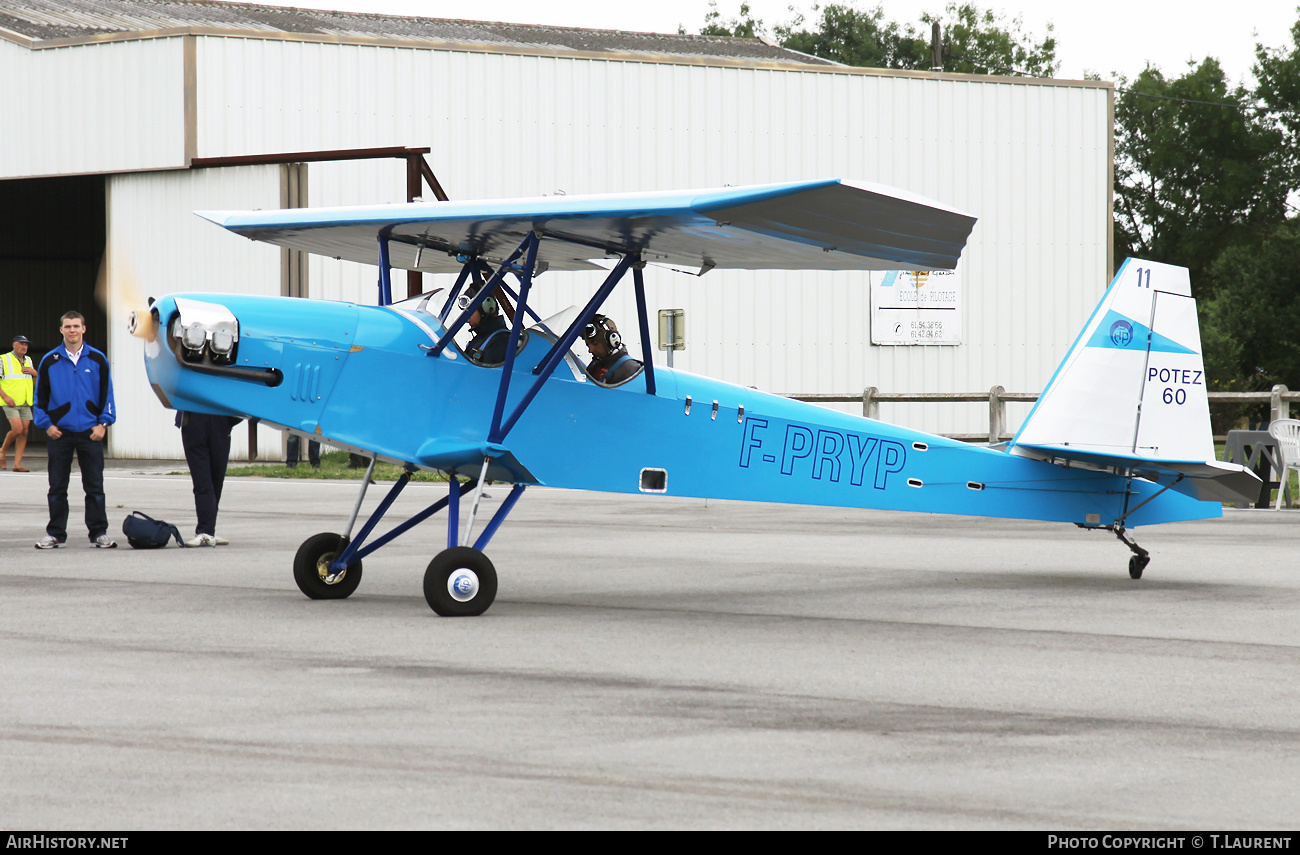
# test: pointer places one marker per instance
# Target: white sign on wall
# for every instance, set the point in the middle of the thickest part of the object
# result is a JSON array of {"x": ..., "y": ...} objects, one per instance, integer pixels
[{"x": 916, "y": 308}]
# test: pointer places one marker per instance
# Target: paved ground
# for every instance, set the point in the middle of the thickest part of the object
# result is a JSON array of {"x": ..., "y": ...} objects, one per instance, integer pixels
[{"x": 651, "y": 663}]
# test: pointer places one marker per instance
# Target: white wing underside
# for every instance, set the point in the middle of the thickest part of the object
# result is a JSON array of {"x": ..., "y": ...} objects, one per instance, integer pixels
[{"x": 815, "y": 225}]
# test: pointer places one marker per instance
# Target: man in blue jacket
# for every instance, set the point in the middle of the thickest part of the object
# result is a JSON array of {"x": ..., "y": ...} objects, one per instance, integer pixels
[{"x": 74, "y": 406}]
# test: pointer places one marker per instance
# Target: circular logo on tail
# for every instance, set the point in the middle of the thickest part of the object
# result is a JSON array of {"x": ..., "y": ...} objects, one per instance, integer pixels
[{"x": 1121, "y": 333}]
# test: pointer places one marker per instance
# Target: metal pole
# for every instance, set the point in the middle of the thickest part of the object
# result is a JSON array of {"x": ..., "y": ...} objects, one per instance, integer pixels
[
  {"x": 478, "y": 494},
  {"x": 356, "y": 509}
]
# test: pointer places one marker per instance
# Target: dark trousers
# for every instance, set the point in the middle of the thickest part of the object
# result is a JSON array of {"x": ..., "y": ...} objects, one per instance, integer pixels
[
  {"x": 207, "y": 451},
  {"x": 292, "y": 447},
  {"x": 90, "y": 459}
]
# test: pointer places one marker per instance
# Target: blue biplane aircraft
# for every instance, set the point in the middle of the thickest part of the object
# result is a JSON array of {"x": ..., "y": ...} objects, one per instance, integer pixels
[{"x": 1119, "y": 438}]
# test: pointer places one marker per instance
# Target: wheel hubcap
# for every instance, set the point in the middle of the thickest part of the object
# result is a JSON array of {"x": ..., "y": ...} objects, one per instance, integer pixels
[
  {"x": 462, "y": 585},
  {"x": 323, "y": 570}
]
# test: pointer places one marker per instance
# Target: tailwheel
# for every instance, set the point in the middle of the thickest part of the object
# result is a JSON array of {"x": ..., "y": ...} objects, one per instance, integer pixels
[
  {"x": 311, "y": 568},
  {"x": 1140, "y": 558},
  {"x": 460, "y": 582}
]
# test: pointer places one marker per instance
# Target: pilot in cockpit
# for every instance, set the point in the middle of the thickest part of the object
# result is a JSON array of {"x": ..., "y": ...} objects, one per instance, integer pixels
[
  {"x": 610, "y": 363},
  {"x": 491, "y": 336}
]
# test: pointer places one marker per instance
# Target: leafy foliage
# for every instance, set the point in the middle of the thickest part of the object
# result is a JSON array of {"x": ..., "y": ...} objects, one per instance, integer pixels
[
  {"x": 1251, "y": 327},
  {"x": 1207, "y": 181},
  {"x": 852, "y": 36},
  {"x": 975, "y": 40},
  {"x": 1278, "y": 87},
  {"x": 1197, "y": 170},
  {"x": 980, "y": 42},
  {"x": 742, "y": 27}
]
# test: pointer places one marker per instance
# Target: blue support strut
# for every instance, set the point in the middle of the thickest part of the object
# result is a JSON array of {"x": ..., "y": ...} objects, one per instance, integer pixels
[
  {"x": 499, "y": 517},
  {"x": 385, "y": 272},
  {"x": 355, "y": 548},
  {"x": 647, "y": 354},
  {"x": 561, "y": 347},
  {"x": 483, "y": 294},
  {"x": 495, "y": 434},
  {"x": 455, "y": 289},
  {"x": 529, "y": 309},
  {"x": 453, "y": 511}
]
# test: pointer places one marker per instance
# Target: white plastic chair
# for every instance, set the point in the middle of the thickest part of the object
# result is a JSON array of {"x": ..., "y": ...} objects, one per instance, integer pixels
[{"x": 1287, "y": 434}]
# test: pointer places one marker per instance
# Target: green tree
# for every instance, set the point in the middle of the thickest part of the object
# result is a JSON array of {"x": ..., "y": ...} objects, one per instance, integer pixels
[
  {"x": 1197, "y": 169},
  {"x": 743, "y": 27},
  {"x": 1277, "y": 73},
  {"x": 852, "y": 36},
  {"x": 979, "y": 41},
  {"x": 1251, "y": 327},
  {"x": 975, "y": 40}
]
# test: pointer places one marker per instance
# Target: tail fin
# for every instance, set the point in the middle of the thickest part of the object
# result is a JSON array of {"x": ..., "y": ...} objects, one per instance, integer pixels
[{"x": 1131, "y": 393}]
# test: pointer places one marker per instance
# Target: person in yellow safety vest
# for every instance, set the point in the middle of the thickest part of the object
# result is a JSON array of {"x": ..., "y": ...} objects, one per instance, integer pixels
[{"x": 16, "y": 373}]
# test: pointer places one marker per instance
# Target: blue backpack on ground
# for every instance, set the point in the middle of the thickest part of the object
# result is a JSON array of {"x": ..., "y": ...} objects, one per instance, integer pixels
[{"x": 144, "y": 532}]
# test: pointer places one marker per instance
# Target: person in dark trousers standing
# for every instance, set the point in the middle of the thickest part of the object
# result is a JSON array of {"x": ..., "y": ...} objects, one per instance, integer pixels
[
  {"x": 206, "y": 439},
  {"x": 74, "y": 406},
  {"x": 293, "y": 446}
]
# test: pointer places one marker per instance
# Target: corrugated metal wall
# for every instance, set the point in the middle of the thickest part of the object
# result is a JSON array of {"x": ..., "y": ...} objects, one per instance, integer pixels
[
  {"x": 111, "y": 107},
  {"x": 157, "y": 246},
  {"x": 1030, "y": 160}
]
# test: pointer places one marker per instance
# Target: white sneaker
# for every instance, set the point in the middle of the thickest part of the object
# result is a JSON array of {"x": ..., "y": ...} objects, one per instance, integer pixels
[
  {"x": 201, "y": 540},
  {"x": 218, "y": 540},
  {"x": 104, "y": 542},
  {"x": 48, "y": 542}
]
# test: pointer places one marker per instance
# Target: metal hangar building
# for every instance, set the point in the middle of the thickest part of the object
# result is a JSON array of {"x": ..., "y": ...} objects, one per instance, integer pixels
[{"x": 128, "y": 115}]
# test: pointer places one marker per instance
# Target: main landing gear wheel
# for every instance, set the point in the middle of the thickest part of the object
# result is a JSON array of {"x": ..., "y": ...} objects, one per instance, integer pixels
[
  {"x": 311, "y": 568},
  {"x": 460, "y": 582},
  {"x": 1136, "y": 564}
]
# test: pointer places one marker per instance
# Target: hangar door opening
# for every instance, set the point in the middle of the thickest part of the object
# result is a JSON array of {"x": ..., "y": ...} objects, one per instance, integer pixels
[{"x": 51, "y": 245}]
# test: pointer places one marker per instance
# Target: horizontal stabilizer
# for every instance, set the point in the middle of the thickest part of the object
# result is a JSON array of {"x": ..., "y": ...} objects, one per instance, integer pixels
[
  {"x": 810, "y": 225},
  {"x": 1205, "y": 480}
]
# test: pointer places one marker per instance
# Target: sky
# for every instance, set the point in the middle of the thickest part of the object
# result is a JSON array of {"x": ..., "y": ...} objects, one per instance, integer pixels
[{"x": 1102, "y": 36}]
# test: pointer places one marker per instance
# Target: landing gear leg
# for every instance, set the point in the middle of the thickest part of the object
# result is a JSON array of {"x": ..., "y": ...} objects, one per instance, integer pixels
[
  {"x": 461, "y": 581},
  {"x": 1140, "y": 558}
]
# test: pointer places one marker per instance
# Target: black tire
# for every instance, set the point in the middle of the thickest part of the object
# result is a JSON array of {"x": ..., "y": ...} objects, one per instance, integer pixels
[
  {"x": 1136, "y": 564},
  {"x": 311, "y": 566},
  {"x": 478, "y": 585}
]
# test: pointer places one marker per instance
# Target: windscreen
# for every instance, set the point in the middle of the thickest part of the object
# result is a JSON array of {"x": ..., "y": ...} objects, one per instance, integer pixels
[{"x": 556, "y": 325}]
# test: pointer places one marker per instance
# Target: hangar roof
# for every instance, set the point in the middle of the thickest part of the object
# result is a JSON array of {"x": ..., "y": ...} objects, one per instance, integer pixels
[{"x": 42, "y": 23}]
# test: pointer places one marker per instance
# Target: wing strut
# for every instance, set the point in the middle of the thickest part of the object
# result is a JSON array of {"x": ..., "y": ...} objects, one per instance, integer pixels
[
  {"x": 483, "y": 293},
  {"x": 561, "y": 347},
  {"x": 465, "y": 271},
  {"x": 496, "y": 434},
  {"x": 385, "y": 270},
  {"x": 638, "y": 280},
  {"x": 522, "y": 307},
  {"x": 499, "y": 428}
]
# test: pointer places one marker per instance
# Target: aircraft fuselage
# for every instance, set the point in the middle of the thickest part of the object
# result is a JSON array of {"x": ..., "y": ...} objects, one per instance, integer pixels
[{"x": 362, "y": 376}]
